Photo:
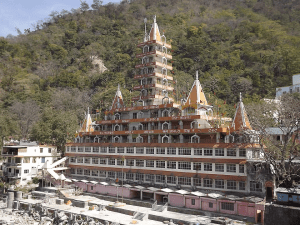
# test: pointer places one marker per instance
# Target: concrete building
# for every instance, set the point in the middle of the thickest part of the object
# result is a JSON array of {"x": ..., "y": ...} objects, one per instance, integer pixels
[
  {"x": 25, "y": 161},
  {"x": 294, "y": 88}
]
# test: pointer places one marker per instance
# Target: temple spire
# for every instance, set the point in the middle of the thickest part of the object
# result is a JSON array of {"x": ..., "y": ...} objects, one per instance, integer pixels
[
  {"x": 154, "y": 32},
  {"x": 118, "y": 100},
  {"x": 241, "y": 121}
]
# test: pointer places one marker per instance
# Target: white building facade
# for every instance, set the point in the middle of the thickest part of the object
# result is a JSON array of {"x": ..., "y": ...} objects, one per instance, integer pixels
[{"x": 289, "y": 89}]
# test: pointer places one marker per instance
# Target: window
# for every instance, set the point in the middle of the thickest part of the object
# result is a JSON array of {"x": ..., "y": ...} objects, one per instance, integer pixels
[
  {"x": 73, "y": 149},
  {"x": 87, "y": 172},
  {"x": 207, "y": 166},
  {"x": 197, "y": 166},
  {"x": 184, "y": 180},
  {"x": 210, "y": 205},
  {"x": 219, "y": 184},
  {"x": 171, "y": 165},
  {"x": 119, "y": 175},
  {"x": 95, "y": 160},
  {"x": 231, "y": 152},
  {"x": 111, "y": 162},
  {"x": 241, "y": 168},
  {"x": 96, "y": 149},
  {"x": 160, "y": 164},
  {"x": 184, "y": 165},
  {"x": 139, "y": 163},
  {"x": 27, "y": 160},
  {"x": 134, "y": 116},
  {"x": 149, "y": 150},
  {"x": 219, "y": 167},
  {"x": 73, "y": 171},
  {"x": 130, "y": 150},
  {"x": 193, "y": 201},
  {"x": 255, "y": 186},
  {"x": 26, "y": 171},
  {"x": 103, "y": 150},
  {"x": 111, "y": 174},
  {"x": 139, "y": 177},
  {"x": 111, "y": 150},
  {"x": 102, "y": 173},
  {"x": 120, "y": 162},
  {"x": 208, "y": 152},
  {"x": 242, "y": 152},
  {"x": 231, "y": 184},
  {"x": 231, "y": 168},
  {"x": 92, "y": 188},
  {"x": 197, "y": 181},
  {"x": 120, "y": 150},
  {"x": 73, "y": 160},
  {"x": 129, "y": 162},
  {"x": 103, "y": 161},
  {"x": 227, "y": 206},
  {"x": 41, "y": 150},
  {"x": 80, "y": 160},
  {"x": 207, "y": 182},
  {"x": 68, "y": 149},
  {"x": 171, "y": 180},
  {"x": 184, "y": 151},
  {"x": 219, "y": 152},
  {"x": 242, "y": 186},
  {"x": 171, "y": 151},
  {"x": 149, "y": 163},
  {"x": 88, "y": 149},
  {"x": 160, "y": 178},
  {"x": 33, "y": 160},
  {"x": 149, "y": 177},
  {"x": 139, "y": 150},
  {"x": 43, "y": 160},
  {"x": 197, "y": 151},
  {"x": 87, "y": 160},
  {"x": 95, "y": 173},
  {"x": 79, "y": 171},
  {"x": 49, "y": 150},
  {"x": 129, "y": 176},
  {"x": 160, "y": 151},
  {"x": 80, "y": 149}
]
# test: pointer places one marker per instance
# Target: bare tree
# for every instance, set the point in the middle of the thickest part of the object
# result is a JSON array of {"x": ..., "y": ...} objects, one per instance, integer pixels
[
  {"x": 26, "y": 115},
  {"x": 278, "y": 123}
]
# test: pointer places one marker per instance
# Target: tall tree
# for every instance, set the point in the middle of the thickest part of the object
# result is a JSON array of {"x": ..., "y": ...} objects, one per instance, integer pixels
[{"x": 96, "y": 4}]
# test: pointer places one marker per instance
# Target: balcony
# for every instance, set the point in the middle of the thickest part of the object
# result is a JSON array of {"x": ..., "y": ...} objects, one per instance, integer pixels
[
  {"x": 12, "y": 175},
  {"x": 155, "y": 74},
  {"x": 155, "y": 52},
  {"x": 153, "y": 64}
]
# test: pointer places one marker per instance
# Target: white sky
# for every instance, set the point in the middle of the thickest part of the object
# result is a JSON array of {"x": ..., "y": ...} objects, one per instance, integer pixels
[{"x": 23, "y": 13}]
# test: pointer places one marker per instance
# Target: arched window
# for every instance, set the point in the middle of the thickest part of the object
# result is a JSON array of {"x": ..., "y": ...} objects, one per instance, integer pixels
[
  {"x": 164, "y": 49},
  {"x": 144, "y": 92},
  {"x": 139, "y": 139},
  {"x": 145, "y": 60},
  {"x": 163, "y": 39},
  {"x": 165, "y": 82},
  {"x": 165, "y": 139},
  {"x": 117, "y": 127},
  {"x": 164, "y": 71},
  {"x": 144, "y": 81},
  {"x": 96, "y": 139},
  {"x": 165, "y": 126},
  {"x": 166, "y": 100},
  {"x": 195, "y": 139},
  {"x": 145, "y": 49},
  {"x": 165, "y": 113},
  {"x": 116, "y": 139},
  {"x": 140, "y": 126},
  {"x": 194, "y": 125},
  {"x": 164, "y": 60},
  {"x": 117, "y": 116}
]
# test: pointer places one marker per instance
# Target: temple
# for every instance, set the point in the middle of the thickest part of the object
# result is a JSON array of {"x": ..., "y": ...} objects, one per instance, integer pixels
[{"x": 160, "y": 141}]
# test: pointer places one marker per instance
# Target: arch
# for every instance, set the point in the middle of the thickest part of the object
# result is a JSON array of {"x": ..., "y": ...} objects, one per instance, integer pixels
[
  {"x": 117, "y": 116},
  {"x": 97, "y": 127},
  {"x": 165, "y": 113},
  {"x": 164, "y": 49},
  {"x": 145, "y": 59},
  {"x": 96, "y": 139},
  {"x": 140, "y": 126},
  {"x": 164, "y": 60},
  {"x": 163, "y": 39},
  {"x": 145, "y": 49},
  {"x": 195, "y": 139},
  {"x": 143, "y": 81},
  {"x": 164, "y": 71},
  {"x": 140, "y": 102},
  {"x": 165, "y": 98},
  {"x": 165, "y": 126},
  {"x": 145, "y": 70},
  {"x": 194, "y": 125},
  {"x": 165, "y": 82},
  {"x": 117, "y": 127},
  {"x": 116, "y": 139},
  {"x": 144, "y": 92},
  {"x": 165, "y": 139},
  {"x": 139, "y": 139}
]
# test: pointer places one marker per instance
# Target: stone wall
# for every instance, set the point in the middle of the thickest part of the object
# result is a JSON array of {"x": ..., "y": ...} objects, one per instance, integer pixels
[{"x": 281, "y": 214}]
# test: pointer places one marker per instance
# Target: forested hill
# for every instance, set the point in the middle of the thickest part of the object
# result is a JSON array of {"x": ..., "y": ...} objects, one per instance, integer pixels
[{"x": 48, "y": 78}]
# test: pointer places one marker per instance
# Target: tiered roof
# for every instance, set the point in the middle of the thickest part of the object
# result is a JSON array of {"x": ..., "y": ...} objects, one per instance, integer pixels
[{"x": 241, "y": 121}]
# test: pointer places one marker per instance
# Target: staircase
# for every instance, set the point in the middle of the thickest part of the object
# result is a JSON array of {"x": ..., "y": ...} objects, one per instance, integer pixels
[
  {"x": 140, "y": 216},
  {"x": 159, "y": 208}
]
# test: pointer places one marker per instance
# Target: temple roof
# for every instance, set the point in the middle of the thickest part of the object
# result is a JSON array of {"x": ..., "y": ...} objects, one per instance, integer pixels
[
  {"x": 87, "y": 124},
  {"x": 241, "y": 120},
  {"x": 196, "y": 95},
  {"x": 118, "y": 100},
  {"x": 154, "y": 32}
]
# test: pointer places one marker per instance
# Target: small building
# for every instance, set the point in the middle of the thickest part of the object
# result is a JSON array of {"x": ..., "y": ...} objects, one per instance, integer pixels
[
  {"x": 24, "y": 161},
  {"x": 295, "y": 87}
]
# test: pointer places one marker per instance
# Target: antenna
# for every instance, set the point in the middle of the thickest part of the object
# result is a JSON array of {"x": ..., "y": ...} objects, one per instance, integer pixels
[
  {"x": 145, "y": 21},
  {"x": 197, "y": 75},
  {"x": 240, "y": 96}
]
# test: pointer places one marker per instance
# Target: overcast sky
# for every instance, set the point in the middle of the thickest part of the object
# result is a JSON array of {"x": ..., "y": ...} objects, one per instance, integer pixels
[{"x": 23, "y": 13}]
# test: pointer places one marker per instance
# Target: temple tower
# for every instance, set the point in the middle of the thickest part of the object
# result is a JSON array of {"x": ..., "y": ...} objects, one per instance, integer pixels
[{"x": 153, "y": 72}]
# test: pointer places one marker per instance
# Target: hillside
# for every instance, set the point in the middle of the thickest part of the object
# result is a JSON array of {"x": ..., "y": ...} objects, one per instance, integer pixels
[{"x": 49, "y": 78}]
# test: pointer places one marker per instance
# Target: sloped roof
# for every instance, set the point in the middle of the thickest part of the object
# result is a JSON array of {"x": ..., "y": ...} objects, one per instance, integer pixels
[
  {"x": 87, "y": 124},
  {"x": 241, "y": 120}
]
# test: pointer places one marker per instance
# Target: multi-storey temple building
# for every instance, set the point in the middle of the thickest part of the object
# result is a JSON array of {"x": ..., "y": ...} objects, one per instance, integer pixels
[{"x": 161, "y": 142}]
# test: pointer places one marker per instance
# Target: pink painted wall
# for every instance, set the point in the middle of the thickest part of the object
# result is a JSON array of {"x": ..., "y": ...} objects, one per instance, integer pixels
[
  {"x": 188, "y": 202},
  {"x": 227, "y": 211},
  {"x": 176, "y": 200},
  {"x": 246, "y": 209},
  {"x": 205, "y": 204},
  {"x": 81, "y": 185}
]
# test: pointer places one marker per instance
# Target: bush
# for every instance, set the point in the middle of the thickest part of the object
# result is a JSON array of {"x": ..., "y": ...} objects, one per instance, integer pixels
[{"x": 35, "y": 180}]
